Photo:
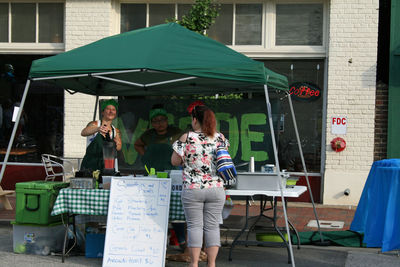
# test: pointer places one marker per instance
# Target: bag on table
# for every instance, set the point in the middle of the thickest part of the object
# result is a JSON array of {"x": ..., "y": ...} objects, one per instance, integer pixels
[{"x": 225, "y": 167}]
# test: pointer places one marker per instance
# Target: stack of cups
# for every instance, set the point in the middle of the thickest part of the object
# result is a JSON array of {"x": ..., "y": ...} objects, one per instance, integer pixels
[{"x": 251, "y": 165}]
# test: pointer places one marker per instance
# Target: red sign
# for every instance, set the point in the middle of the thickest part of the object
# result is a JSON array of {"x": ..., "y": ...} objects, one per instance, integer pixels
[
  {"x": 304, "y": 91},
  {"x": 339, "y": 121}
]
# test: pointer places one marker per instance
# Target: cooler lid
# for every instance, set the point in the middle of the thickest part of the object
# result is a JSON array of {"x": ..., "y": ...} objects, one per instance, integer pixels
[{"x": 44, "y": 185}]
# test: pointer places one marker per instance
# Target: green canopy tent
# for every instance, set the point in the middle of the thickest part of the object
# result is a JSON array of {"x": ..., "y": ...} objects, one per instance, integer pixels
[
  {"x": 166, "y": 59},
  {"x": 160, "y": 60}
]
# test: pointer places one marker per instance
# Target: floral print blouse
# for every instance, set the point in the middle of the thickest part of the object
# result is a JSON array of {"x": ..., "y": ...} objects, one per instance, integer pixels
[{"x": 199, "y": 160}]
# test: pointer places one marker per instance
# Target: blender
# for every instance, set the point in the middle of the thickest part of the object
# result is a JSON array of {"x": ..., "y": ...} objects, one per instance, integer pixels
[{"x": 109, "y": 155}]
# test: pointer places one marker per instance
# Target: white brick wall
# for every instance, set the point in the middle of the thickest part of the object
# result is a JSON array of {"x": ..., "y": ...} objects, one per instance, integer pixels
[
  {"x": 351, "y": 92},
  {"x": 353, "y": 26},
  {"x": 85, "y": 22}
]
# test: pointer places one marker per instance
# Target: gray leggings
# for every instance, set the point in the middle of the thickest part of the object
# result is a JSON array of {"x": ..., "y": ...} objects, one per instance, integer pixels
[{"x": 203, "y": 211}]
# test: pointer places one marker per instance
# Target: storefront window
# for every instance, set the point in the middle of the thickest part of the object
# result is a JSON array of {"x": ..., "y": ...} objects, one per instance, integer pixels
[
  {"x": 41, "y": 126},
  {"x": 248, "y": 24},
  {"x": 32, "y": 22},
  {"x": 23, "y": 28},
  {"x": 183, "y": 9},
  {"x": 51, "y": 19},
  {"x": 299, "y": 24},
  {"x": 3, "y": 22},
  {"x": 158, "y": 13},
  {"x": 221, "y": 30},
  {"x": 306, "y": 81},
  {"x": 246, "y": 127},
  {"x": 133, "y": 16}
]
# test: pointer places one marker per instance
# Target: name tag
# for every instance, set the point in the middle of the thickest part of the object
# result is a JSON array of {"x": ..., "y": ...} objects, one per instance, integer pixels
[{"x": 176, "y": 187}]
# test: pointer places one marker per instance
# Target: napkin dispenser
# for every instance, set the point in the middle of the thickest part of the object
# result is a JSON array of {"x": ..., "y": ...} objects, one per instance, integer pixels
[{"x": 82, "y": 183}]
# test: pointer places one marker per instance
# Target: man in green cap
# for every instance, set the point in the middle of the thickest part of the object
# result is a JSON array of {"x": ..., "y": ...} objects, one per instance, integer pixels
[{"x": 155, "y": 145}]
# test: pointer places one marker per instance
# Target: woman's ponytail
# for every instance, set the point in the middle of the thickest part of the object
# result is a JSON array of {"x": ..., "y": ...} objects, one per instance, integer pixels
[{"x": 206, "y": 117}]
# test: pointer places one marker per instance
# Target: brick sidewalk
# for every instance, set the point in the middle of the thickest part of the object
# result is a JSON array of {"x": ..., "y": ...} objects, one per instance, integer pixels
[
  {"x": 298, "y": 213},
  {"x": 301, "y": 213}
]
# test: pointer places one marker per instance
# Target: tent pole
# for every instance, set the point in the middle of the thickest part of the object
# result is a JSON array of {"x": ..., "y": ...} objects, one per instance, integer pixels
[
  {"x": 10, "y": 143},
  {"x": 95, "y": 108},
  {"x": 170, "y": 81},
  {"x": 304, "y": 167},
  {"x": 117, "y": 80},
  {"x": 271, "y": 127}
]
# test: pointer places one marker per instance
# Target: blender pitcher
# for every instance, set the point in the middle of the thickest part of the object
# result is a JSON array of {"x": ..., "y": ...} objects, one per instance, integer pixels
[{"x": 109, "y": 154}]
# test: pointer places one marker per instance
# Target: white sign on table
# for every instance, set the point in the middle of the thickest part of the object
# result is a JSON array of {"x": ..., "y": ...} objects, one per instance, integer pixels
[{"x": 137, "y": 222}]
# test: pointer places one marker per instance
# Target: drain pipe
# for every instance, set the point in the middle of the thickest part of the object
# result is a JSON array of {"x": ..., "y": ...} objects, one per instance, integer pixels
[{"x": 322, "y": 242}]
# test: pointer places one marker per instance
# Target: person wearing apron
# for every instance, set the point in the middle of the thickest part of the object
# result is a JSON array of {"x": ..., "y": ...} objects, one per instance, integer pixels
[
  {"x": 155, "y": 148},
  {"x": 96, "y": 132}
]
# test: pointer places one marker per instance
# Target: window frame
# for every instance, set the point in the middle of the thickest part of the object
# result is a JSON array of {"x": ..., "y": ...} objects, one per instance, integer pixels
[
  {"x": 32, "y": 47},
  {"x": 303, "y": 48},
  {"x": 267, "y": 48}
]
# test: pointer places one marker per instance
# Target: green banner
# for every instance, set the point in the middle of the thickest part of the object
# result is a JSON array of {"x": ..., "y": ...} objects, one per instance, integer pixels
[{"x": 243, "y": 121}]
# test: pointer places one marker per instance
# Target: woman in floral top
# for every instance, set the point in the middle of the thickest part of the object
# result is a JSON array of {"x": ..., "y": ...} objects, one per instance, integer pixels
[{"x": 203, "y": 195}]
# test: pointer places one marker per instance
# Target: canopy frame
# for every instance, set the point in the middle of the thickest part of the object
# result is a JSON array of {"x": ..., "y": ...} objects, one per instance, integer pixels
[
  {"x": 178, "y": 75},
  {"x": 269, "y": 110}
]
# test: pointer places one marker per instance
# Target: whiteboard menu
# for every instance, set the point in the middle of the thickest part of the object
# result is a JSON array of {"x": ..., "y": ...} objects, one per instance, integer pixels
[{"x": 137, "y": 222}]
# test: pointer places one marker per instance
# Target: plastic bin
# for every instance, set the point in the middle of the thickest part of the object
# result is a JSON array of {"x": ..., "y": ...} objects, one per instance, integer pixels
[
  {"x": 94, "y": 245},
  {"x": 35, "y": 201},
  {"x": 38, "y": 239},
  {"x": 260, "y": 181},
  {"x": 83, "y": 183},
  {"x": 271, "y": 237}
]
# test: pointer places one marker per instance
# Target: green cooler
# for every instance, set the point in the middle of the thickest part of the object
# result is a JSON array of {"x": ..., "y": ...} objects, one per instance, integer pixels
[{"x": 35, "y": 201}]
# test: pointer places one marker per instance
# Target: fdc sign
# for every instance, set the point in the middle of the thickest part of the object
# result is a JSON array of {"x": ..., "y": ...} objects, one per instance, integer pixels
[{"x": 339, "y": 125}]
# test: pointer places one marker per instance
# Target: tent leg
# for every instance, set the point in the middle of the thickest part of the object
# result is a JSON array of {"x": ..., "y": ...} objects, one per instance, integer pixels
[
  {"x": 95, "y": 108},
  {"x": 271, "y": 126},
  {"x": 322, "y": 242},
  {"x": 10, "y": 143}
]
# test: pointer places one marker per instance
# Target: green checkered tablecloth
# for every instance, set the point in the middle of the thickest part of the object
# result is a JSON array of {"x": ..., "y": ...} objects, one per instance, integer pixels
[
  {"x": 176, "y": 212},
  {"x": 82, "y": 201},
  {"x": 95, "y": 202}
]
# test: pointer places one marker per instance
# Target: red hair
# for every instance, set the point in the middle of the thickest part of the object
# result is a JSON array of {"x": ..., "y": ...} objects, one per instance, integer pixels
[
  {"x": 207, "y": 120},
  {"x": 193, "y": 104}
]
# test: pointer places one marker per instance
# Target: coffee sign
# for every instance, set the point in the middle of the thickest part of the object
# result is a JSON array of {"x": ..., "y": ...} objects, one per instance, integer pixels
[{"x": 305, "y": 91}]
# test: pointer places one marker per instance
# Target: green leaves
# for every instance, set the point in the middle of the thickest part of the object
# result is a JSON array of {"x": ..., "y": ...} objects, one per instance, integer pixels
[{"x": 201, "y": 16}]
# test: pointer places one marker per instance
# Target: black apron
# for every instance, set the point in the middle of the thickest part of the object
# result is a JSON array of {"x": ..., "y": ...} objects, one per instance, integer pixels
[{"x": 93, "y": 159}]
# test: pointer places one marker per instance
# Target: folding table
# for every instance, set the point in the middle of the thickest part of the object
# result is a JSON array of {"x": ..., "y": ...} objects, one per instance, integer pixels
[{"x": 296, "y": 191}]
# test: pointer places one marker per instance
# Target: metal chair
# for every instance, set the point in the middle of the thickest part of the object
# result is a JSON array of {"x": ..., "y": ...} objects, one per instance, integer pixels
[
  {"x": 3, "y": 198},
  {"x": 52, "y": 164}
]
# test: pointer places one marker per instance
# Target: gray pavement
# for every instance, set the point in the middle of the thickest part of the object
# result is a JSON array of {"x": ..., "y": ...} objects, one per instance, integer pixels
[{"x": 242, "y": 256}]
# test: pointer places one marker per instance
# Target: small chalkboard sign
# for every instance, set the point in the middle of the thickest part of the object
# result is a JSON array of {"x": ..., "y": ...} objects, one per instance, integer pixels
[{"x": 137, "y": 222}]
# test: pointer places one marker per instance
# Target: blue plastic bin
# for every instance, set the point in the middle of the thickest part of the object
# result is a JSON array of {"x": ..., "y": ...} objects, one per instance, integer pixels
[{"x": 94, "y": 245}]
